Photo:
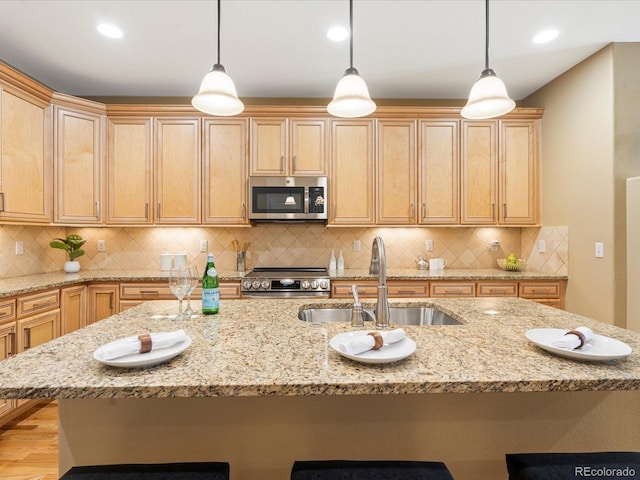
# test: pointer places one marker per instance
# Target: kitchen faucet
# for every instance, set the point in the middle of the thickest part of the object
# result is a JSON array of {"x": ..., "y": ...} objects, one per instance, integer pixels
[{"x": 378, "y": 266}]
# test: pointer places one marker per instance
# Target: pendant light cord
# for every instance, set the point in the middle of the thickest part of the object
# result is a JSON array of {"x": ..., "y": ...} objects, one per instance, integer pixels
[
  {"x": 486, "y": 34},
  {"x": 350, "y": 34},
  {"x": 218, "y": 62}
]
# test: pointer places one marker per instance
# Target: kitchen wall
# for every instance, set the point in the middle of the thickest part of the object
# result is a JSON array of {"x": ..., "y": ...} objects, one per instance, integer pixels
[
  {"x": 280, "y": 245},
  {"x": 591, "y": 144}
]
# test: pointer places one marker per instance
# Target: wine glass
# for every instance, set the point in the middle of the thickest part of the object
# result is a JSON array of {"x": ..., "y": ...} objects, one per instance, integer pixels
[
  {"x": 194, "y": 278},
  {"x": 179, "y": 283}
]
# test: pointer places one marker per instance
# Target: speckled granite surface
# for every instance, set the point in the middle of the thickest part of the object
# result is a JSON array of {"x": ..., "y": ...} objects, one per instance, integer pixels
[
  {"x": 33, "y": 283},
  {"x": 259, "y": 347}
]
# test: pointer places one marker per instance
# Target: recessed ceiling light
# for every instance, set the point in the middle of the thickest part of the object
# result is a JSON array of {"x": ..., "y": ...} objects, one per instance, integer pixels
[
  {"x": 338, "y": 34},
  {"x": 546, "y": 36},
  {"x": 109, "y": 30}
]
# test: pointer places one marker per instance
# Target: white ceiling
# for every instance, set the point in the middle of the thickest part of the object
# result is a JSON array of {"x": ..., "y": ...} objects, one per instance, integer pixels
[{"x": 429, "y": 49}]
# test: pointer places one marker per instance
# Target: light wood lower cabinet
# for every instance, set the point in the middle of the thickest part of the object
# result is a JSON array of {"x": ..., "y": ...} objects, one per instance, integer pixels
[
  {"x": 497, "y": 289},
  {"x": 452, "y": 289},
  {"x": 132, "y": 294},
  {"x": 73, "y": 308},
  {"x": 7, "y": 345},
  {"x": 548, "y": 293},
  {"x": 102, "y": 300},
  {"x": 369, "y": 288}
]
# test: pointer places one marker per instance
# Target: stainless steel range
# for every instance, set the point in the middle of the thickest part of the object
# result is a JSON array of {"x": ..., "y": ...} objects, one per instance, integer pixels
[{"x": 283, "y": 282}]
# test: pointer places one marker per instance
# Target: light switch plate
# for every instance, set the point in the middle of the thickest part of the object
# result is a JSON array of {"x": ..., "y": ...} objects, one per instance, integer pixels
[
  {"x": 429, "y": 245},
  {"x": 102, "y": 246},
  {"x": 19, "y": 248},
  {"x": 542, "y": 246},
  {"x": 356, "y": 245},
  {"x": 204, "y": 246},
  {"x": 599, "y": 250}
]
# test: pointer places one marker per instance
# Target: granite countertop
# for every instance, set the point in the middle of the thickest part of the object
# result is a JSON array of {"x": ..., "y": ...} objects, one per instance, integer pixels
[
  {"x": 32, "y": 283},
  {"x": 259, "y": 348}
]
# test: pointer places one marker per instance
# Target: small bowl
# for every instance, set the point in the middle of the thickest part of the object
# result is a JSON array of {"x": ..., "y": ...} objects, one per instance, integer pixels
[{"x": 511, "y": 267}]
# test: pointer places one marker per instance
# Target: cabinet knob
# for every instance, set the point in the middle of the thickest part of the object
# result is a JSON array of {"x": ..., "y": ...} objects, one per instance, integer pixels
[{"x": 2, "y": 198}]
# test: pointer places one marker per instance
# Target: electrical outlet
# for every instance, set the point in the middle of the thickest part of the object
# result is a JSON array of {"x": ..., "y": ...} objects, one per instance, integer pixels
[
  {"x": 19, "y": 248},
  {"x": 429, "y": 245},
  {"x": 356, "y": 245},
  {"x": 204, "y": 246},
  {"x": 599, "y": 250},
  {"x": 102, "y": 246},
  {"x": 542, "y": 246}
]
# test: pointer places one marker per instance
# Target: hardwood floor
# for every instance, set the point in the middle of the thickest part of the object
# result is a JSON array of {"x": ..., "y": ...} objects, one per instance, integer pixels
[{"x": 29, "y": 445}]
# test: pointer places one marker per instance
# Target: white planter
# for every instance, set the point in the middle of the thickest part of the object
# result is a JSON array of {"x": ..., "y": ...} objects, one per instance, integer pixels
[{"x": 72, "y": 266}]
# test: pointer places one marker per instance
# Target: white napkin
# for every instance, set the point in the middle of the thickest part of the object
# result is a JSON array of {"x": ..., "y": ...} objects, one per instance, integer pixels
[
  {"x": 571, "y": 341},
  {"x": 367, "y": 342},
  {"x": 131, "y": 345}
]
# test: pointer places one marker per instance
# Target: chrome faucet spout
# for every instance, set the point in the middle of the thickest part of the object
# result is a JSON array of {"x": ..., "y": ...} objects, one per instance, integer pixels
[{"x": 378, "y": 266}]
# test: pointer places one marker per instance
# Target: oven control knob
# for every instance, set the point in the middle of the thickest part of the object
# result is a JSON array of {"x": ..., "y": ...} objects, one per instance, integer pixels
[
  {"x": 256, "y": 284},
  {"x": 247, "y": 284},
  {"x": 324, "y": 284},
  {"x": 265, "y": 285},
  {"x": 305, "y": 285},
  {"x": 314, "y": 285}
]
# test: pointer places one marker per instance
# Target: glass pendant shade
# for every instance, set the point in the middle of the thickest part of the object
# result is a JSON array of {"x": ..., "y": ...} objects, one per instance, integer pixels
[
  {"x": 351, "y": 98},
  {"x": 488, "y": 98},
  {"x": 217, "y": 95}
]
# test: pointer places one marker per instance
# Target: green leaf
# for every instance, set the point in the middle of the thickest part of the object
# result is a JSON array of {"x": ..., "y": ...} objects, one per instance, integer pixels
[
  {"x": 75, "y": 254},
  {"x": 61, "y": 245}
]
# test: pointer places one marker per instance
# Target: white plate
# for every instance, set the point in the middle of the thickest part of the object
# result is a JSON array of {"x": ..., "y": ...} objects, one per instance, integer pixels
[
  {"x": 599, "y": 348},
  {"x": 149, "y": 359},
  {"x": 388, "y": 353}
]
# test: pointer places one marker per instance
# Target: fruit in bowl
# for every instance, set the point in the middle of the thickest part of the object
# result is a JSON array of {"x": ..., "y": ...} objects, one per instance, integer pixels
[{"x": 512, "y": 263}]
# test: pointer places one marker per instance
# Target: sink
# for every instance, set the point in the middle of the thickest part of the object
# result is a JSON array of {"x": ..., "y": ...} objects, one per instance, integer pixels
[{"x": 398, "y": 316}]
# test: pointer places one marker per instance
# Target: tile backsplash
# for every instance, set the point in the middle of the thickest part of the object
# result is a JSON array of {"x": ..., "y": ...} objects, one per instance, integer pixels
[{"x": 139, "y": 248}]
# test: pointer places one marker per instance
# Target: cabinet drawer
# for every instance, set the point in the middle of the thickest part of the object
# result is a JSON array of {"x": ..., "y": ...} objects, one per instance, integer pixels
[
  {"x": 540, "y": 290},
  {"x": 228, "y": 290},
  {"x": 408, "y": 289},
  {"x": 38, "y": 329},
  {"x": 146, "y": 291},
  {"x": 452, "y": 289},
  {"x": 366, "y": 289},
  {"x": 7, "y": 310},
  {"x": 38, "y": 302},
  {"x": 497, "y": 289}
]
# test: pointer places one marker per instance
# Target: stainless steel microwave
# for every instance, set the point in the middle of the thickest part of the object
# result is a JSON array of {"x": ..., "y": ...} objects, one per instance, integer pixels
[{"x": 288, "y": 198}]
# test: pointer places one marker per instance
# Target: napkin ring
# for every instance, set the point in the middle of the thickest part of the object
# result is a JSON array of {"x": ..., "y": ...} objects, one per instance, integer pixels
[
  {"x": 578, "y": 334},
  {"x": 145, "y": 343},
  {"x": 378, "y": 339}
]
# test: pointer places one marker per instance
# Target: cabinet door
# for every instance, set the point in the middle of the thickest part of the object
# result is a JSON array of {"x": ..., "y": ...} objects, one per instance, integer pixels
[
  {"x": 129, "y": 170},
  {"x": 269, "y": 140},
  {"x": 25, "y": 158},
  {"x": 38, "y": 329},
  {"x": 7, "y": 349},
  {"x": 178, "y": 170},
  {"x": 351, "y": 182},
  {"x": 73, "y": 309},
  {"x": 78, "y": 159},
  {"x": 438, "y": 171},
  {"x": 518, "y": 169},
  {"x": 225, "y": 171},
  {"x": 308, "y": 146},
  {"x": 396, "y": 168},
  {"x": 103, "y": 301},
  {"x": 479, "y": 170}
]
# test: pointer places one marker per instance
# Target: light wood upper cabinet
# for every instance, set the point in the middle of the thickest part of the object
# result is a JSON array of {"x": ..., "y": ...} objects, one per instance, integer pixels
[
  {"x": 283, "y": 146},
  {"x": 396, "y": 172},
  {"x": 78, "y": 153},
  {"x": 479, "y": 172},
  {"x": 438, "y": 172},
  {"x": 129, "y": 184},
  {"x": 518, "y": 167},
  {"x": 177, "y": 170},
  {"x": 351, "y": 182},
  {"x": 25, "y": 157},
  {"x": 225, "y": 171}
]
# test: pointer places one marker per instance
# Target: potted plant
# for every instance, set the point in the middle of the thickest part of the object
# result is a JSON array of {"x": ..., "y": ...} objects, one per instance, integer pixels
[{"x": 72, "y": 245}]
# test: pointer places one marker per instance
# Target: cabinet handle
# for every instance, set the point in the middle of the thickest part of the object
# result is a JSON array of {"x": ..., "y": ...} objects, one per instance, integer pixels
[
  {"x": 2, "y": 197},
  {"x": 413, "y": 212},
  {"x": 146, "y": 210},
  {"x": 493, "y": 211},
  {"x": 293, "y": 164},
  {"x": 111, "y": 301},
  {"x": 98, "y": 210},
  {"x": 155, "y": 293},
  {"x": 424, "y": 210},
  {"x": 158, "y": 211},
  {"x": 282, "y": 163},
  {"x": 244, "y": 211},
  {"x": 12, "y": 344},
  {"x": 27, "y": 338},
  {"x": 407, "y": 292},
  {"x": 504, "y": 210},
  {"x": 334, "y": 211}
]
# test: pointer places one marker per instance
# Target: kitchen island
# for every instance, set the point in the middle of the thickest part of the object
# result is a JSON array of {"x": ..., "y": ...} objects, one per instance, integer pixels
[{"x": 260, "y": 388}]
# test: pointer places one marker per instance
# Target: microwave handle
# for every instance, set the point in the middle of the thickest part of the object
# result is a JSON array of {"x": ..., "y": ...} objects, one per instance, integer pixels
[{"x": 306, "y": 200}]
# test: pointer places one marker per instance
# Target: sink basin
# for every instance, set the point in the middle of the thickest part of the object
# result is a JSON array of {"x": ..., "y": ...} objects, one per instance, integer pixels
[{"x": 398, "y": 316}]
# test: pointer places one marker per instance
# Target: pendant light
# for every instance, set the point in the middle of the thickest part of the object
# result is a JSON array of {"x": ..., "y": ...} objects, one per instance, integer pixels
[
  {"x": 488, "y": 97},
  {"x": 351, "y": 98},
  {"x": 217, "y": 95}
]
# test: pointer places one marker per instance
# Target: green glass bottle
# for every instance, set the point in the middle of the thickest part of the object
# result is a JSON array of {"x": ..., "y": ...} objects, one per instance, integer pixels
[{"x": 210, "y": 288}]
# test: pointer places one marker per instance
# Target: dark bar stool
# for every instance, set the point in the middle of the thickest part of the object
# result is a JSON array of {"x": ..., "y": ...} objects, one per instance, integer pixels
[
  {"x": 160, "y": 471},
  {"x": 572, "y": 466},
  {"x": 369, "y": 470}
]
